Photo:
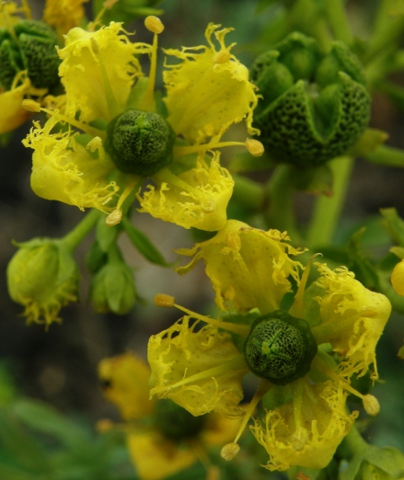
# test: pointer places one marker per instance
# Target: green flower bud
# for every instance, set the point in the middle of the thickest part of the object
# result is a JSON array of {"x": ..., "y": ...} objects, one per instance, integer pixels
[
  {"x": 280, "y": 347},
  {"x": 314, "y": 106},
  {"x": 140, "y": 142},
  {"x": 31, "y": 47},
  {"x": 113, "y": 289},
  {"x": 176, "y": 423},
  {"x": 43, "y": 276}
]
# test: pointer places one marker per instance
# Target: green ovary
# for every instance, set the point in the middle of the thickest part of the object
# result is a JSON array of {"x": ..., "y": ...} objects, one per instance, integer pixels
[
  {"x": 31, "y": 48},
  {"x": 140, "y": 142},
  {"x": 280, "y": 348}
]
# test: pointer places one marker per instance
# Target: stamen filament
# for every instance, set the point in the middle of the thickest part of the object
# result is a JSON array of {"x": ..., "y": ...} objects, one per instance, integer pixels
[
  {"x": 237, "y": 364},
  {"x": 230, "y": 450},
  {"x": 188, "y": 149},
  {"x": 297, "y": 308},
  {"x": 148, "y": 99},
  {"x": 242, "y": 330},
  {"x": 75, "y": 123}
]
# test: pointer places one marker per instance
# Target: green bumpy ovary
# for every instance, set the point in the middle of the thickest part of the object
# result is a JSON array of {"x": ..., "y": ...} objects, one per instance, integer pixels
[
  {"x": 280, "y": 348},
  {"x": 34, "y": 51},
  {"x": 314, "y": 107}
]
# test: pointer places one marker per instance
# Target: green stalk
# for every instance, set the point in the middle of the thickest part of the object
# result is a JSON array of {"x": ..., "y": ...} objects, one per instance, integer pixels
[
  {"x": 80, "y": 231},
  {"x": 387, "y": 156},
  {"x": 328, "y": 209},
  {"x": 248, "y": 192},
  {"x": 338, "y": 20},
  {"x": 280, "y": 213}
]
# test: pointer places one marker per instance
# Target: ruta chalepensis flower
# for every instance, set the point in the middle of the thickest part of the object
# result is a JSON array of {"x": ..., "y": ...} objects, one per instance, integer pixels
[
  {"x": 162, "y": 437},
  {"x": 28, "y": 58},
  {"x": 43, "y": 277},
  {"x": 305, "y": 347},
  {"x": 108, "y": 136}
]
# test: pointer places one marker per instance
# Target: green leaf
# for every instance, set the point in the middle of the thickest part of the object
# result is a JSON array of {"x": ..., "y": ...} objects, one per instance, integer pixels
[
  {"x": 45, "y": 419},
  {"x": 20, "y": 445},
  {"x": 314, "y": 180},
  {"x": 143, "y": 244}
]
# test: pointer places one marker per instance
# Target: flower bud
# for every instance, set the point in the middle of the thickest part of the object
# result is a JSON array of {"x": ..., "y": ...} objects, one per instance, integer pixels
[
  {"x": 140, "y": 142},
  {"x": 280, "y": 348},
  {"x": 43, "y": 276},
  {"x": 31, "y": 47},
  {"x": 397, "y": 278},
  {"x": 314, "y": 106},
  {"x": 113, "y": 289}
]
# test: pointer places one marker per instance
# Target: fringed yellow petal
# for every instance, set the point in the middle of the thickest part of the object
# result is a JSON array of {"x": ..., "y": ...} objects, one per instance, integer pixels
[
  {"x": 125, "y": 382},
  {"x": 352, "y": 318},
  {"x": 208, "y": 90},
  {"x": 197, "y": 198},
  {"x": 307, "y": 430},
  {"x": 63, "y": 15},
  {"x": 155, "y": 457},
  {"x": 12, "y": 113},
  {"x": 248, "y": 267},
  {"x": 66, "y": 171},
  {"x": 98, "y": 70},
  {"x": 199, "y": 370}
]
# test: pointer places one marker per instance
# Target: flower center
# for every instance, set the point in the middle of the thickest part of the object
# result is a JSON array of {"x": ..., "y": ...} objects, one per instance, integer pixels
[
  {"x": 30, "y": 45},
  {"x": 280, "y": 348},
  {"x": 140, "y": 142},
  {"x": 175, "y": 422}
]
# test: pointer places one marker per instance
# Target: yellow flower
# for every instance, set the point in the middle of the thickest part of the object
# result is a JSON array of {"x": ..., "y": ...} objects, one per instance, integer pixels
[
  {"x": 247, "y": 267},
  {"x": 63, "y": 15},
  {"x": 25, "y": 43},
  {"x": 12, "y": 113},
  {"x": 305, "y": 357},
  {"x": 163, "y": 438},
  {"x": 116, "y": 140}
]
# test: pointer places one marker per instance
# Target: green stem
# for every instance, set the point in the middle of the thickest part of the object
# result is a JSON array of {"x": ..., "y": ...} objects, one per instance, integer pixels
[
  {"x": 280, "y": 213},
  {"x": 328, "y": 209},
  {"x": 338, "y": 20},
  {"x": 249, "y": 193},
  {"x": 353, "y": 444},
  {"x": 80, "y": 231},
  {"x": 387, "y": 156}
]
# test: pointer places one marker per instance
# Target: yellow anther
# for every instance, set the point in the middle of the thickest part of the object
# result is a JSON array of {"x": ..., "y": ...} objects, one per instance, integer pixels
[
  {"x": 163, "y": 300},
  {"x": 94, "y": 144},
  {"x": 254, "y": 147},
  {"x": 371, "y": 405},
  {"x": 31, "y": 105},
  {"x": 114, "y": 218},
  {"x": 229, "y": 451},
  {"x": 154, "y": 24}
]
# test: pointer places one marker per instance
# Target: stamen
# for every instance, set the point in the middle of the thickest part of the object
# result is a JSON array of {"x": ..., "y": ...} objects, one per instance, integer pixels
[
  {"x": 233, "y": 366},
  {"x": 188, "y": 149},
  {"x": 155, "y": 25},
  {"x": 98, "y": 19},
  {"x": 297, "y": 308},
  {"x": 115, "y": 217},
  {"x": 370, "y": 402},
  {"x": 162, "y": 300},
  {"x": 230, "y": 450}
]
